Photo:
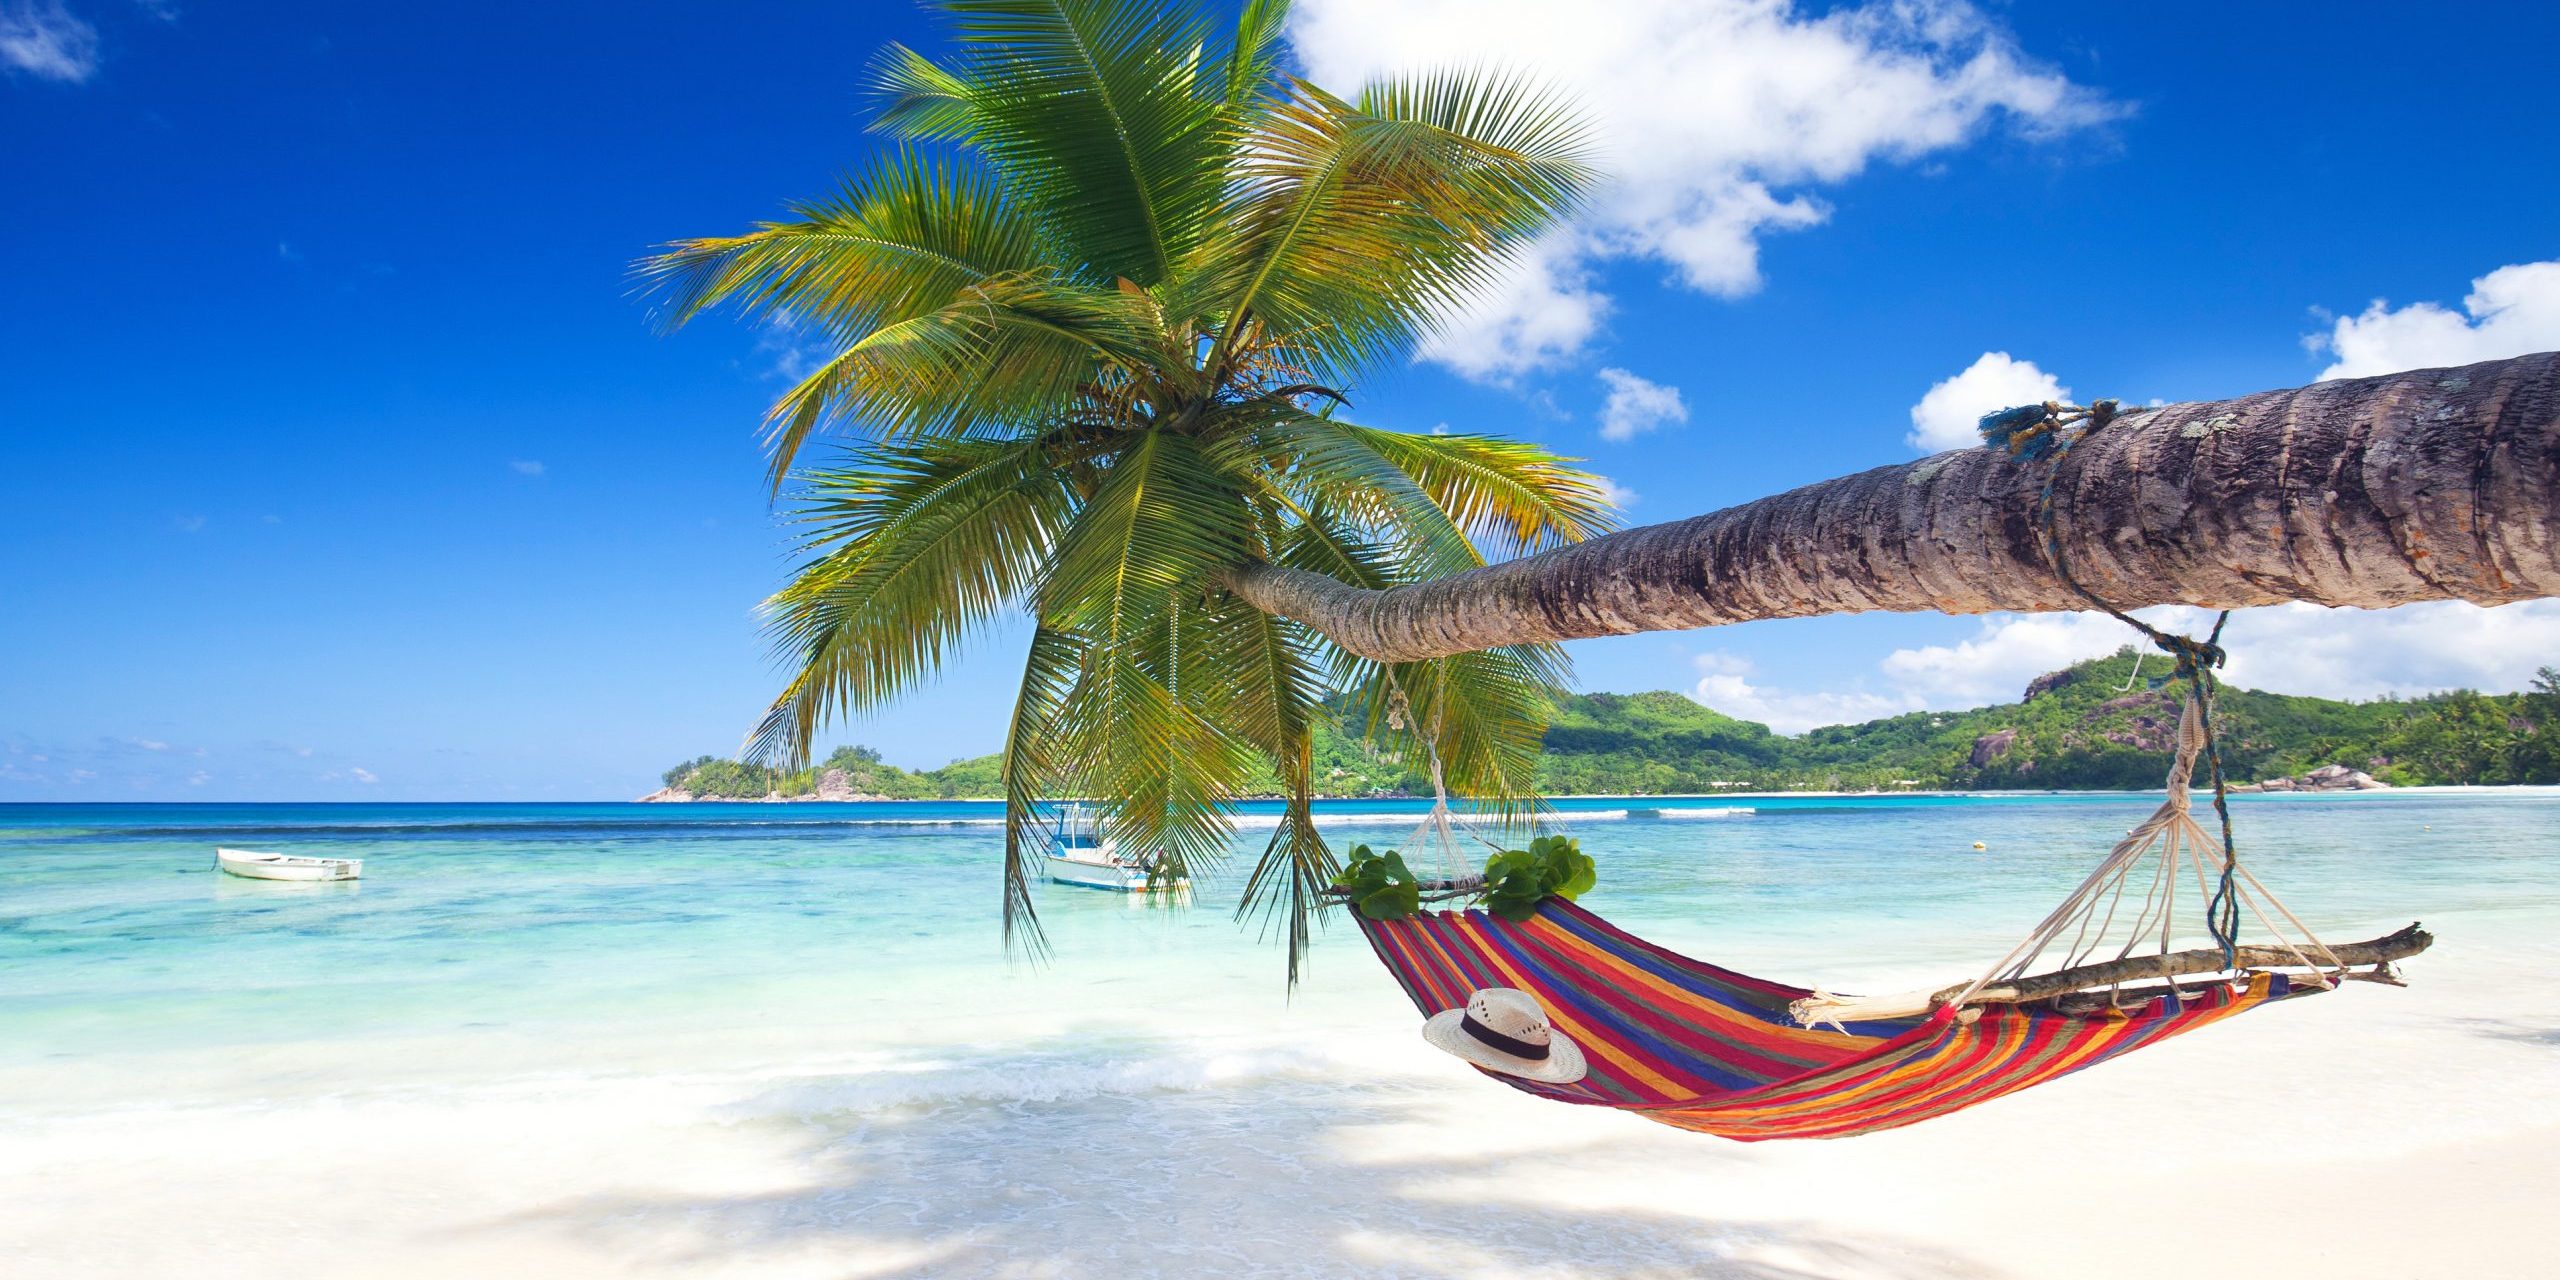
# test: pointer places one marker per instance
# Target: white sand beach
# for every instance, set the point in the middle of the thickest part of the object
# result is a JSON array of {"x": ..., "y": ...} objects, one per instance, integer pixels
[{"x": 2373, "y": 1132}]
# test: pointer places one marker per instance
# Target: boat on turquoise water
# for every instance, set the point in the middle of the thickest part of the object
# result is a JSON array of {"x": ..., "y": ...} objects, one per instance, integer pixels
[
  {"x": 253, "y": 865},
  {"x": 1081, "y": 852}
]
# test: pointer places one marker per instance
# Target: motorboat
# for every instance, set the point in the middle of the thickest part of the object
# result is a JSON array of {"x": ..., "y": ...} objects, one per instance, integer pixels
[
  {"x": 1082, "y": 853},
  {"x": 285, "y": 866}
]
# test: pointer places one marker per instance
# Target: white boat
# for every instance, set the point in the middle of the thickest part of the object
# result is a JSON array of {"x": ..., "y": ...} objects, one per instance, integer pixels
[
  {"x": 1082, "y": 854},
  {"x": 286, "y": 866}
]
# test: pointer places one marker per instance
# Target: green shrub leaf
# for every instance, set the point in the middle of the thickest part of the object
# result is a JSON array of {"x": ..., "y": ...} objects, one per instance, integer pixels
[
  {"x": 1517, "y": 880},
  {"x": 1382, "y": 886}
]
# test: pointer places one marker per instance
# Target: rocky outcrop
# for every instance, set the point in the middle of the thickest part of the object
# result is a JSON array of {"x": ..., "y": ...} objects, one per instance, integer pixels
[
  {"x": 1992, "y": 746},
  {"x": 2050, "y": 681},
  {"x": 2338, "y": 777},
  {"x": 836, "y": 784},
  {"x": 2328, "y": 777},
  {"x": 2151, "y": 728},
  {"x": 667, "y": 795}
]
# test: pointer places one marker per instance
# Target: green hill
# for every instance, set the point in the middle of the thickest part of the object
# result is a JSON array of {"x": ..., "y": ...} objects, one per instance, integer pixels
[
  {"x": 864, "y": 775},
  {"x": 2090, "y": 726}
]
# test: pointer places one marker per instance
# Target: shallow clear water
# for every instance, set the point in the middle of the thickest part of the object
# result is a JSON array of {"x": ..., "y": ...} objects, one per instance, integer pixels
[
  {"x": 532, "y": 928},
  {"x": 622, "y": 1040}
]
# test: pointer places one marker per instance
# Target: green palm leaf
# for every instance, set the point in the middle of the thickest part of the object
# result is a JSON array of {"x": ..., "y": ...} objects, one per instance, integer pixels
[
  {"x": 1125, "y": 577},
  {"x": 1095, "y": 113},
  {"x": 1349, "y": 228},
  {"x": 1271, "y": 699},
  {"x": 1011, "y": 348},
  {"x": 898, "y": 241},
  {"x": 922, "y": 544},
  {"x": 1518, "y": 496},
  {"x": 1034, "y": 768},
  {"x": 1253, "y": 57}
]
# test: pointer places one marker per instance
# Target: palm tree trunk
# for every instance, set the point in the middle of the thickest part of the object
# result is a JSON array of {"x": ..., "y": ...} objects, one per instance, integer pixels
[{"x": 2438, "y": 484}]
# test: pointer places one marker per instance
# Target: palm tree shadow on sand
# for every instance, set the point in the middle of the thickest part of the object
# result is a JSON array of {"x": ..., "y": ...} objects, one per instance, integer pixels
[{"x": 1025, "y": 1174}]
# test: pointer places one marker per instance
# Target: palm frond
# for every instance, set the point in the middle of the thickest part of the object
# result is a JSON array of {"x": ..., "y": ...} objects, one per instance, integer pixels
[
  {"x": 1253, "y": 58},
  {"x": 1484, "y": 713},
  {"x": 1094, "y": 111},
  {"x": 1272, "y": 699},
  {"x": 1009, "y": 349},
  {"x": 1515, "y": 495},
  {"x": 1319, "y": 542},
  {"x": 919, "y": 100},
  {"x": 921, "y": 544},
  {"x": 1317, "y": 462},
  {"x": 1164, "y": 775},
  {"x": 1160, "y": 525},
  {"x": 1128, "y": 576},
  {"x": 1033, "y": 769},
  {"x": 899, "y": 240},
  {"x": 1350, "y": 228}
]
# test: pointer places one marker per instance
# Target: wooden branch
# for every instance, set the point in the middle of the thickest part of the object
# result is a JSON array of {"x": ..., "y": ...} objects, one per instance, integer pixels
[
  {"x": 2045, "y": 986},
  {"x": 1432, "y": 890},
  {"x": 1819, "y": 1009},
  {"x": 2437, "y": 484}
]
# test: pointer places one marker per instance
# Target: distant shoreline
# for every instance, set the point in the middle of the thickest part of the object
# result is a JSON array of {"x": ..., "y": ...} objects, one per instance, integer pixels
[{"x": 2429, "y": 789}]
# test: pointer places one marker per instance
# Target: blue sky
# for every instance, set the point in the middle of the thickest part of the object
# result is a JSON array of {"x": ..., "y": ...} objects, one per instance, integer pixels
[{"x": 336, "y": 462}]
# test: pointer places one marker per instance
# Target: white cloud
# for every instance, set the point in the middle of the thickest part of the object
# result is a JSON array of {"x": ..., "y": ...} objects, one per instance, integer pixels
[
  {"x": 188, "y": 524},
  {"x": 1714, "y": 119},
  {"x": 2511, "y": 311},
  {"x": 43, "y": 39},
  {"x": 1950, "y": 415},
  {"x": 1637, "y": 406},
  {"x": 1541, "y": 310},
  {"x": 789, "y": 354},
  {"x": 2356, "y": 654},
  {"x": 1725, "y": 685},
  {"x": 1618, "y": 495},
  {"x": 2413, "y": 649},
  {"x": 2288, "y": 648},
  {"x": 362, "y": 775},
  {"x": 2005, "y": 653},
  {"x": 526, "y": 467}
]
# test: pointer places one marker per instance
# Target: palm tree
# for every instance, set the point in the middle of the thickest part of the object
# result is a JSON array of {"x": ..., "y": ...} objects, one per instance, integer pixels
[{"x": 1091, "y": 323}]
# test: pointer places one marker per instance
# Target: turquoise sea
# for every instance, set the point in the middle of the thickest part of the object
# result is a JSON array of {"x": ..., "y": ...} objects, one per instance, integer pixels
[
  {"x": 550, "y": 921},
  {"x": 708, "y": 975}
]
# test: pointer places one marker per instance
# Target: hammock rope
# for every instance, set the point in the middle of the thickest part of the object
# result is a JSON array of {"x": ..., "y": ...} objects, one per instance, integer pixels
[
  {"x": 1439, "y": 826},
  {"x": 2046, "y": 432}
]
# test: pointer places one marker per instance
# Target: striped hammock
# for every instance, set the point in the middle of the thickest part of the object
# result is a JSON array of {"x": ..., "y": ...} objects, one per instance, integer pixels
[
  {"x": 1702, "y": 1048},
  {"x": 1697, "y": 1047}
]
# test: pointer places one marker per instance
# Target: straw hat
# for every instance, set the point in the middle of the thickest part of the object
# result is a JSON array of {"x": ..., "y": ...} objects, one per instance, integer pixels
[{"x": 1503, "y": 1029}]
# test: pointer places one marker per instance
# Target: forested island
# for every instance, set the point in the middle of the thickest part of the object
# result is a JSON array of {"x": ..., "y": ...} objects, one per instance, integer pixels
[{"x": 2097, "y": 725}]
